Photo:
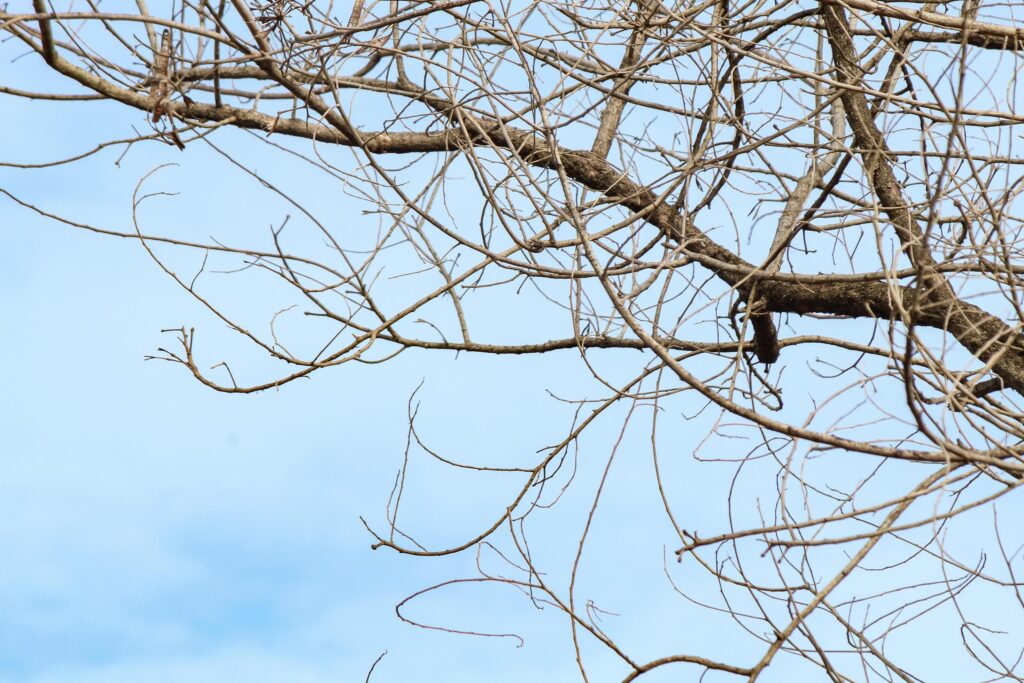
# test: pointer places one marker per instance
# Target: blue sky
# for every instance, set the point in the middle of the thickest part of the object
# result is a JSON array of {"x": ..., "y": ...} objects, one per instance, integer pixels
[{"x": 154, "y": 530}]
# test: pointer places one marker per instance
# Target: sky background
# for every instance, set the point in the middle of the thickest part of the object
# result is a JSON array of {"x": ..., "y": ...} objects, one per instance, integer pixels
[{"x": 154, "y": 530}]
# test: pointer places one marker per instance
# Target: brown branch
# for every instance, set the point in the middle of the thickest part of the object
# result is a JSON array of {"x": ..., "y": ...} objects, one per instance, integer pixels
[
  {"x": 48, "y": 51},
  {"x": 1008, "y": 36},
  {"x": 985, "y": 335}
]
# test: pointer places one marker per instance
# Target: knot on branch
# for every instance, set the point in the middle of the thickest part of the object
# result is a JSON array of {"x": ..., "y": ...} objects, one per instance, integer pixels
[{"x": 766, "y": 337}]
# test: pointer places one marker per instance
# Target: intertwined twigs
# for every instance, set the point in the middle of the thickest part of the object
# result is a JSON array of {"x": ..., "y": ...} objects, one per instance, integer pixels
[{"x": 801, "y": 215}]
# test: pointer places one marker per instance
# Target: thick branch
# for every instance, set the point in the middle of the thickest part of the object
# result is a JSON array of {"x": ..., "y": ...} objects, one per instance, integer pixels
[{"x": 986, "y": 336}]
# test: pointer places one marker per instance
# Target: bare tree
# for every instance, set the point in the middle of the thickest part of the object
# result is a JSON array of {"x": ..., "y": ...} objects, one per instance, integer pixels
[{"x": 799, "y": 218}]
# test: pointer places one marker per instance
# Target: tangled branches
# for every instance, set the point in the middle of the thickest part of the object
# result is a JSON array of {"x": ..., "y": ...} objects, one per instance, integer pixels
[{"x": 785, "y": 232}]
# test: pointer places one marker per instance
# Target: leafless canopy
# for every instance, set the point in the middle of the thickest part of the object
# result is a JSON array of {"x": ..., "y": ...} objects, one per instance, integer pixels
[{"x": 790, "y": 226}]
